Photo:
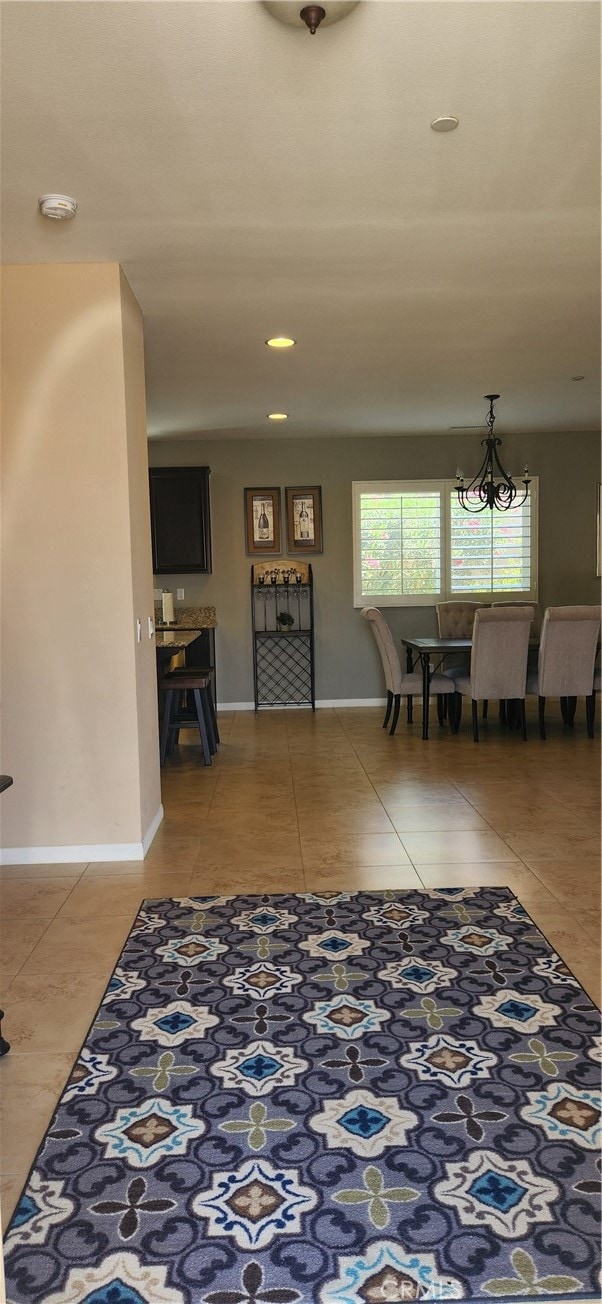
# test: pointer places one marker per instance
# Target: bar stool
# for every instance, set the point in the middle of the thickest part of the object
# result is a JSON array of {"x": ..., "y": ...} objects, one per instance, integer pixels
[
  {"x": 206, "y": 672},
  {"x": 179, "y": 715}
]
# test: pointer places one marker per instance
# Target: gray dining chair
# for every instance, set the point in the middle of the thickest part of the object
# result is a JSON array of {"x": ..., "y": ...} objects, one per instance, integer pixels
[
  {"x": 397, "y": 684},
  {"x": 537, "y": 617},
  {"x": 498, "y": 663},
  {"x": 455, "y": 619},
  {"x": 566, "y": 662}
]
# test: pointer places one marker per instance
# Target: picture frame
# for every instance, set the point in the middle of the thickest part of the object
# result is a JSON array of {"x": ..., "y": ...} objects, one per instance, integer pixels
[
  {"x": 599, "y": 534},
  {"x": 304, "y": 518},
  {"x": 262, "y": 521}
]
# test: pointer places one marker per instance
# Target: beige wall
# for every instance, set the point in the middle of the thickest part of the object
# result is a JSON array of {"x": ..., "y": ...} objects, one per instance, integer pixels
[
  {"x": 78, "y": 734},
  {"x": 140, "y": 544},
  {"x": 347, "y": 667}
]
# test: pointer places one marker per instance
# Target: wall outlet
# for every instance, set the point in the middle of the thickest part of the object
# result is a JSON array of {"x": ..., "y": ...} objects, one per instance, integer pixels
[{"x": 179, "y": 594}]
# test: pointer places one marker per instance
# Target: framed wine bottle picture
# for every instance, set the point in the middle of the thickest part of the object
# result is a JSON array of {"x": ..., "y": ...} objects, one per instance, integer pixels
[
  {"x": 262, "y": 521},
  {"x": 304, "y": 519}
]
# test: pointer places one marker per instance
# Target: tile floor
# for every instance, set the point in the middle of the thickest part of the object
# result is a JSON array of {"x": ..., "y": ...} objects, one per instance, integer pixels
[{"x": 298, "y": 801}]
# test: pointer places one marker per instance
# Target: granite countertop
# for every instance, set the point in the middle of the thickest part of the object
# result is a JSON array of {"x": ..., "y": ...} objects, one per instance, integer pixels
[
  {"x": 187, "y": 618},
  {"x": 175, "y": 638}
]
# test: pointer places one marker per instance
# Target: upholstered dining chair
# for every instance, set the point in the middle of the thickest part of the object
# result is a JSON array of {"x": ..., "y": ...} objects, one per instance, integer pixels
[
  {"x": 455, "y": 619},
  {"x": 537, "y": 617},
  {"x": 498, "y": 663},
  {"x": 397, "y": 684},
  {"x": 566, "y": 662}
]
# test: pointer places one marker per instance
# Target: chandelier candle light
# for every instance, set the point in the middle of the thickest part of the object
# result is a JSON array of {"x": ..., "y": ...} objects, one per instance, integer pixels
[{"x": 483, "y": 491}]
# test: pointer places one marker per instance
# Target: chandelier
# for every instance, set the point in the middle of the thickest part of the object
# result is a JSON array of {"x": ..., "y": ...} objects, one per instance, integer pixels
[{"x": 485, "y": 490}]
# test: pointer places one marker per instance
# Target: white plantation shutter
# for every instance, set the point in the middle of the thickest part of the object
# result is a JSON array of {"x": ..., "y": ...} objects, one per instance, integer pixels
[
  {"x": 415, "y": 545},
  {"x": 400, "y": 541},
  {"x": 490, "y": 553}
]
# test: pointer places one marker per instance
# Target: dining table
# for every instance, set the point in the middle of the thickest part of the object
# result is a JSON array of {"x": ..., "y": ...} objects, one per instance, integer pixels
[{"x": 422, "y": 649}]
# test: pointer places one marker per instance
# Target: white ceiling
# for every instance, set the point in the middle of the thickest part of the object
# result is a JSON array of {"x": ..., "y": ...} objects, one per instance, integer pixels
[{"x": 255, "y": 180}]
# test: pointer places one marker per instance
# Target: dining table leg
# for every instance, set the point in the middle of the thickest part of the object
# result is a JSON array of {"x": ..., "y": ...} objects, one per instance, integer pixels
[{"x": 426, "y": 682}]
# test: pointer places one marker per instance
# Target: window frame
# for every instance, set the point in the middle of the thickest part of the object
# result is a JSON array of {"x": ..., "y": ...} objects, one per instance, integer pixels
[{"x": 444, "y": 488}]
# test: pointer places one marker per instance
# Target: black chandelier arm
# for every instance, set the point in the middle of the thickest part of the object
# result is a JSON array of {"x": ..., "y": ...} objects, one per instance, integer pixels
[{"x": 498, "y": 465}]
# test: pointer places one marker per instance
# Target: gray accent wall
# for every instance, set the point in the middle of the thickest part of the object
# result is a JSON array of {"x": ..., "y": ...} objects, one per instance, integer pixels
[{"x": 347, "y": 666}]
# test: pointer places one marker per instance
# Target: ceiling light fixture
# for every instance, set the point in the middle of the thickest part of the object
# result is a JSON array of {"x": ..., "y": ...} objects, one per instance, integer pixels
[
  {"x": 60, "y": 208},
  {"x": 445, "y": 123},
  {"x": 311, "y": 16},
  {"x": 277, "y": 416},
  {"x": 483, "y": 491},
  {"x": 280, "y": 342}
]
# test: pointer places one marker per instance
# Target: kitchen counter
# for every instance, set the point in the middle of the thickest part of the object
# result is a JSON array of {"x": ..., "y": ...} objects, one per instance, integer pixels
[
  {"x": 187, "y": 618},
  {"x": 175, "y": 638}
]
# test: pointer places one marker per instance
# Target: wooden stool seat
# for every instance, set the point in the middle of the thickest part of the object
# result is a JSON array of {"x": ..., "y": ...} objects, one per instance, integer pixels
[{"x": 185, "y": 680}]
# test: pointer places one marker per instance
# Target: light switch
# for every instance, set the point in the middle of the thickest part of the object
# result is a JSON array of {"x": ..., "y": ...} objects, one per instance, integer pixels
[{"x": 179, "y": 594}]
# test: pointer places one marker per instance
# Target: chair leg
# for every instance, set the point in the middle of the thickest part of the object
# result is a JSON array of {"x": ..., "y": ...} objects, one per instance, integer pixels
[
  {"x": 590, "y": 713},
  {"x": 396, "y": 708},
  {"x": 455, "y": 712},
  {"x": 564, "y": 709},
  {"x": 441, "y": 708},
  {"x": 410, "y": 709},
  {"x": 570, "y": 711},
  {"x": 523, "y": 719},
  {"x": 206, "y": 704},
  {"x": 165, "y": 723},
  {"x": 202, "y": 726},
  {"x": 213, "y": 714},
  {"x": 389, "y": 708},
  {"x": 485, "y": 708},
  {"x": 475, "y": 719},
  {"x": 542, "y": 718},
  {"x": 503, "y": 716}
]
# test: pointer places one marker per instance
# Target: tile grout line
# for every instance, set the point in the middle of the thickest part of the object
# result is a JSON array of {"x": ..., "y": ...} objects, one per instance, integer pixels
[
  {"x": 45, "y": 930},
  {"x": 292, "y": 776}
]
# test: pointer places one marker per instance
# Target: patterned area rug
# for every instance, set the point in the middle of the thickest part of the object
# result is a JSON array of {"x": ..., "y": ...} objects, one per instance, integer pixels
[{"x": 344, "y": 1099}]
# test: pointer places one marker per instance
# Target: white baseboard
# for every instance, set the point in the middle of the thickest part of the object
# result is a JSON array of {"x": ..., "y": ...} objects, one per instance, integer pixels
[
  {"x": 86, "y": 853},
  {"x": 151, "y": 830},
  {"x": 352, "y": 701},
  {"x": 325, "y": 702}
]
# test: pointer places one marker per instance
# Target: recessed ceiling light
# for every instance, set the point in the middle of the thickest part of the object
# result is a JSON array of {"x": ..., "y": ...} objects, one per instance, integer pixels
[
  {"x": 280, "y": 342},
  {"x": 278, "y": 416},
  {"x": 58, "y": 207},
  {"x": 444, "y": 123},
  {"x": 577, "y": 377}
]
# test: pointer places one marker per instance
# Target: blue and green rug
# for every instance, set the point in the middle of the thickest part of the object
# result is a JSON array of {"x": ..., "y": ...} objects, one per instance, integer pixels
[{"x": 345, "y": 1098}]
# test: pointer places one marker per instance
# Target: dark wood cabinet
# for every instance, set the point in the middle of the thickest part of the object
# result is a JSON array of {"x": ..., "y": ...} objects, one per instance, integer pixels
[{"x": 180, "y": 519}]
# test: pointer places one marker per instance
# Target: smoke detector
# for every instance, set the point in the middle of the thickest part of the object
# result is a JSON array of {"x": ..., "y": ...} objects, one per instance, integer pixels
[
  {"x": 445, "y": 123},
  {"x": 58, "y": 207}
]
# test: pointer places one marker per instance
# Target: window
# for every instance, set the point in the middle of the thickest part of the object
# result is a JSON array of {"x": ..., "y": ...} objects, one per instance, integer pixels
[{"x": 415, "y": 545}]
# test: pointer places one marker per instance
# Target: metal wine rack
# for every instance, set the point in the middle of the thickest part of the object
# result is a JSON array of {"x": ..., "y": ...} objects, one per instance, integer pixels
[{"x": 283, "y": 650}]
